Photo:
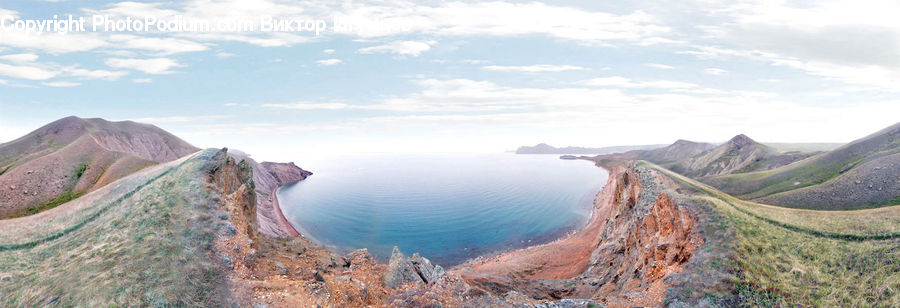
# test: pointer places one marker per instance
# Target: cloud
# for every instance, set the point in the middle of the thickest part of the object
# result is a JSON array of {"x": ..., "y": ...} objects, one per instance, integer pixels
[
  {"x": 534, "y": 68},
  {"x": 329, "y": 62},
  {"x": 26, "y": 72},
  {"x": 659, "y": 66},
  {"x": 505, "y": 19},
  {"x": 456, "y": 95},
  {"x": 622, "y": 82},
  {"x": 142, "y": 80},
  {"x": 149, "y": 66},
  {"x": 224, "y": 55},
  {"x": 714, "y": 71},
  {"x": 839, "y": 40},
  {"x": 156, "y": 45},
  {"x": 20, "y": 58},
  {"x": 309, "y": 106},
  {"x": 61, "y": 84},
  {"x": 181, "y": 119},
  {"x": 328, "y": 51},
  {"x": 403, "y": 48},
  {"x": 93, "y": 74}
]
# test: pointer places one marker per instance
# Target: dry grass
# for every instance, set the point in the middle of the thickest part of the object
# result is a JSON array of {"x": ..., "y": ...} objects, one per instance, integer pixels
[
  {"x": 148, "y": 246},
  {"x": 788, "y": 257}
]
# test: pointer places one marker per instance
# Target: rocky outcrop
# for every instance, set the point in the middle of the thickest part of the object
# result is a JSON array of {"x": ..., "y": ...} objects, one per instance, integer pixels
[
  {"x": 268, "y": 177},
  {"x": 637, "y": 237},
  {"x": 646, "y": 238},
  {"x": 415, "y": 270}
]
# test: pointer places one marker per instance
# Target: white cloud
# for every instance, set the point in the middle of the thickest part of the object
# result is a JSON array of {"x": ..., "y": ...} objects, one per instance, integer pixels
[
  {"x": 26, "y": 72},
  {"x": 622, "y": 82},
  {"x": 157, "y": 45},
  {"x": 329, "y": 62},
  {"x": 328, "y": 51},
  {"x": 403, "y": 48},
  {"x": 20, "y": 58},
  {"x": 659, "y": 66},
  {"x": 500, "y": 18},
  {"x": 149, "y": 66},
  {"x": 94, "y": 74},
  {"x": 181, "y": 119},
  {"x": 714, "y": 71},
  {"x": 840, "y": 40},
  {"x": 61, "y": 84},
  {"x": 224, "y": 55},
  {"x": 309, "y": 106},
  {"x": 534, "y": 68},
  {"x": 142, "y": 80}
]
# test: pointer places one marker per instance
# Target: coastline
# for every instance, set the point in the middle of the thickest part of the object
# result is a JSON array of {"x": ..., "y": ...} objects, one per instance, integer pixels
[
  {"x": 276, "y": 207},
  {"x": 551, "y": 260}
]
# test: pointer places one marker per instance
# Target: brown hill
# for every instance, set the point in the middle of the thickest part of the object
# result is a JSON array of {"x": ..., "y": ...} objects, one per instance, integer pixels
[
  {"x": 739, "y": 155},
  {"x": 71, "y": 156},
  {"x": 665, "y": 156}
]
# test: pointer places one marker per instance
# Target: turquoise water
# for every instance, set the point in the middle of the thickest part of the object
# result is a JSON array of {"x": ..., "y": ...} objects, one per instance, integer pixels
[{"x": 447, "y": 207}]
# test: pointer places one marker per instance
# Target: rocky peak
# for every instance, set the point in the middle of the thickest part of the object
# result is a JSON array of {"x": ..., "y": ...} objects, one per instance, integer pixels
[{"x": 741, "y": 141}]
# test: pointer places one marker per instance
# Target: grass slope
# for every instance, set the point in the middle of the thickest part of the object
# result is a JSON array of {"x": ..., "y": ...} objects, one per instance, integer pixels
[
  {"x": 793, "y": 257},
  {"x": 143, "y": 241},
  {"x": 822, "y": 168}
]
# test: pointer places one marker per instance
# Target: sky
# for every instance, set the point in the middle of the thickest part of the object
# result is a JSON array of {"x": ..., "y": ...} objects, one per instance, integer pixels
[{"x": 454, "y": 76}]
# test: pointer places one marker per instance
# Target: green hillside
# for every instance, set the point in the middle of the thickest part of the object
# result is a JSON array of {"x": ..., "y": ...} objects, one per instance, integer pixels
[
  {"x": 781, "y": 257},
  {"x": 877, "y": 153},
  {"x": 144, "y": 241}
]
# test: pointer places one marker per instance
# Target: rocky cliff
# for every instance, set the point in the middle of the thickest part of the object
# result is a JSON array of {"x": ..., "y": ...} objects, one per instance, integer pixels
[
  {"x": 267, "y": 178},
  {"x": 637, "y": 237}
]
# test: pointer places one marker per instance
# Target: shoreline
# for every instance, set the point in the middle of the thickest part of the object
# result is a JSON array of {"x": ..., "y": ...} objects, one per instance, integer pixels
[
  {"x": 276, "y": 207},
  {"x": 538, "y": 260}
]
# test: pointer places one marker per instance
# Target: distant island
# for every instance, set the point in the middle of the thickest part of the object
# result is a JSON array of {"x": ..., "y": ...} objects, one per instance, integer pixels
[{"x": 544, "y": 148}]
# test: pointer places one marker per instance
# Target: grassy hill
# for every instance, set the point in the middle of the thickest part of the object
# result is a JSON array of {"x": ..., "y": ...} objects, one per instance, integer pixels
[
  {"x": 857, "y": 175},
  {"x": 72, "y": 156},
  {"x": 145, "y": 241},
  {"x": 775, "y": 256}
]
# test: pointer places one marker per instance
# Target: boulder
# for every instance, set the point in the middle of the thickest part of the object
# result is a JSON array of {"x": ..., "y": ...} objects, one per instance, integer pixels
[
  {"x": 428, "y": 272},
  {"x": 400, "y": 271}
]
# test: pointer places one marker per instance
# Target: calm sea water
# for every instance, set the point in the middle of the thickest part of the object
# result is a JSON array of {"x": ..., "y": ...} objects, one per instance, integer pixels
[{"x": 447, "y": 207}]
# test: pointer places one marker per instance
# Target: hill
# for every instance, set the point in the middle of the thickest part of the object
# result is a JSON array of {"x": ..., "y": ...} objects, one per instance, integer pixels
[
  {"x": 769, "y": 256},
  {"x": 739, "y": 155},
  {"x": 859, "y": 174},
  {"x": 803, "y": 147},
  {"x": 72, "y": 156},
  {"x": 668, "y": 155},
  {"x": 544, "y": 148}
]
